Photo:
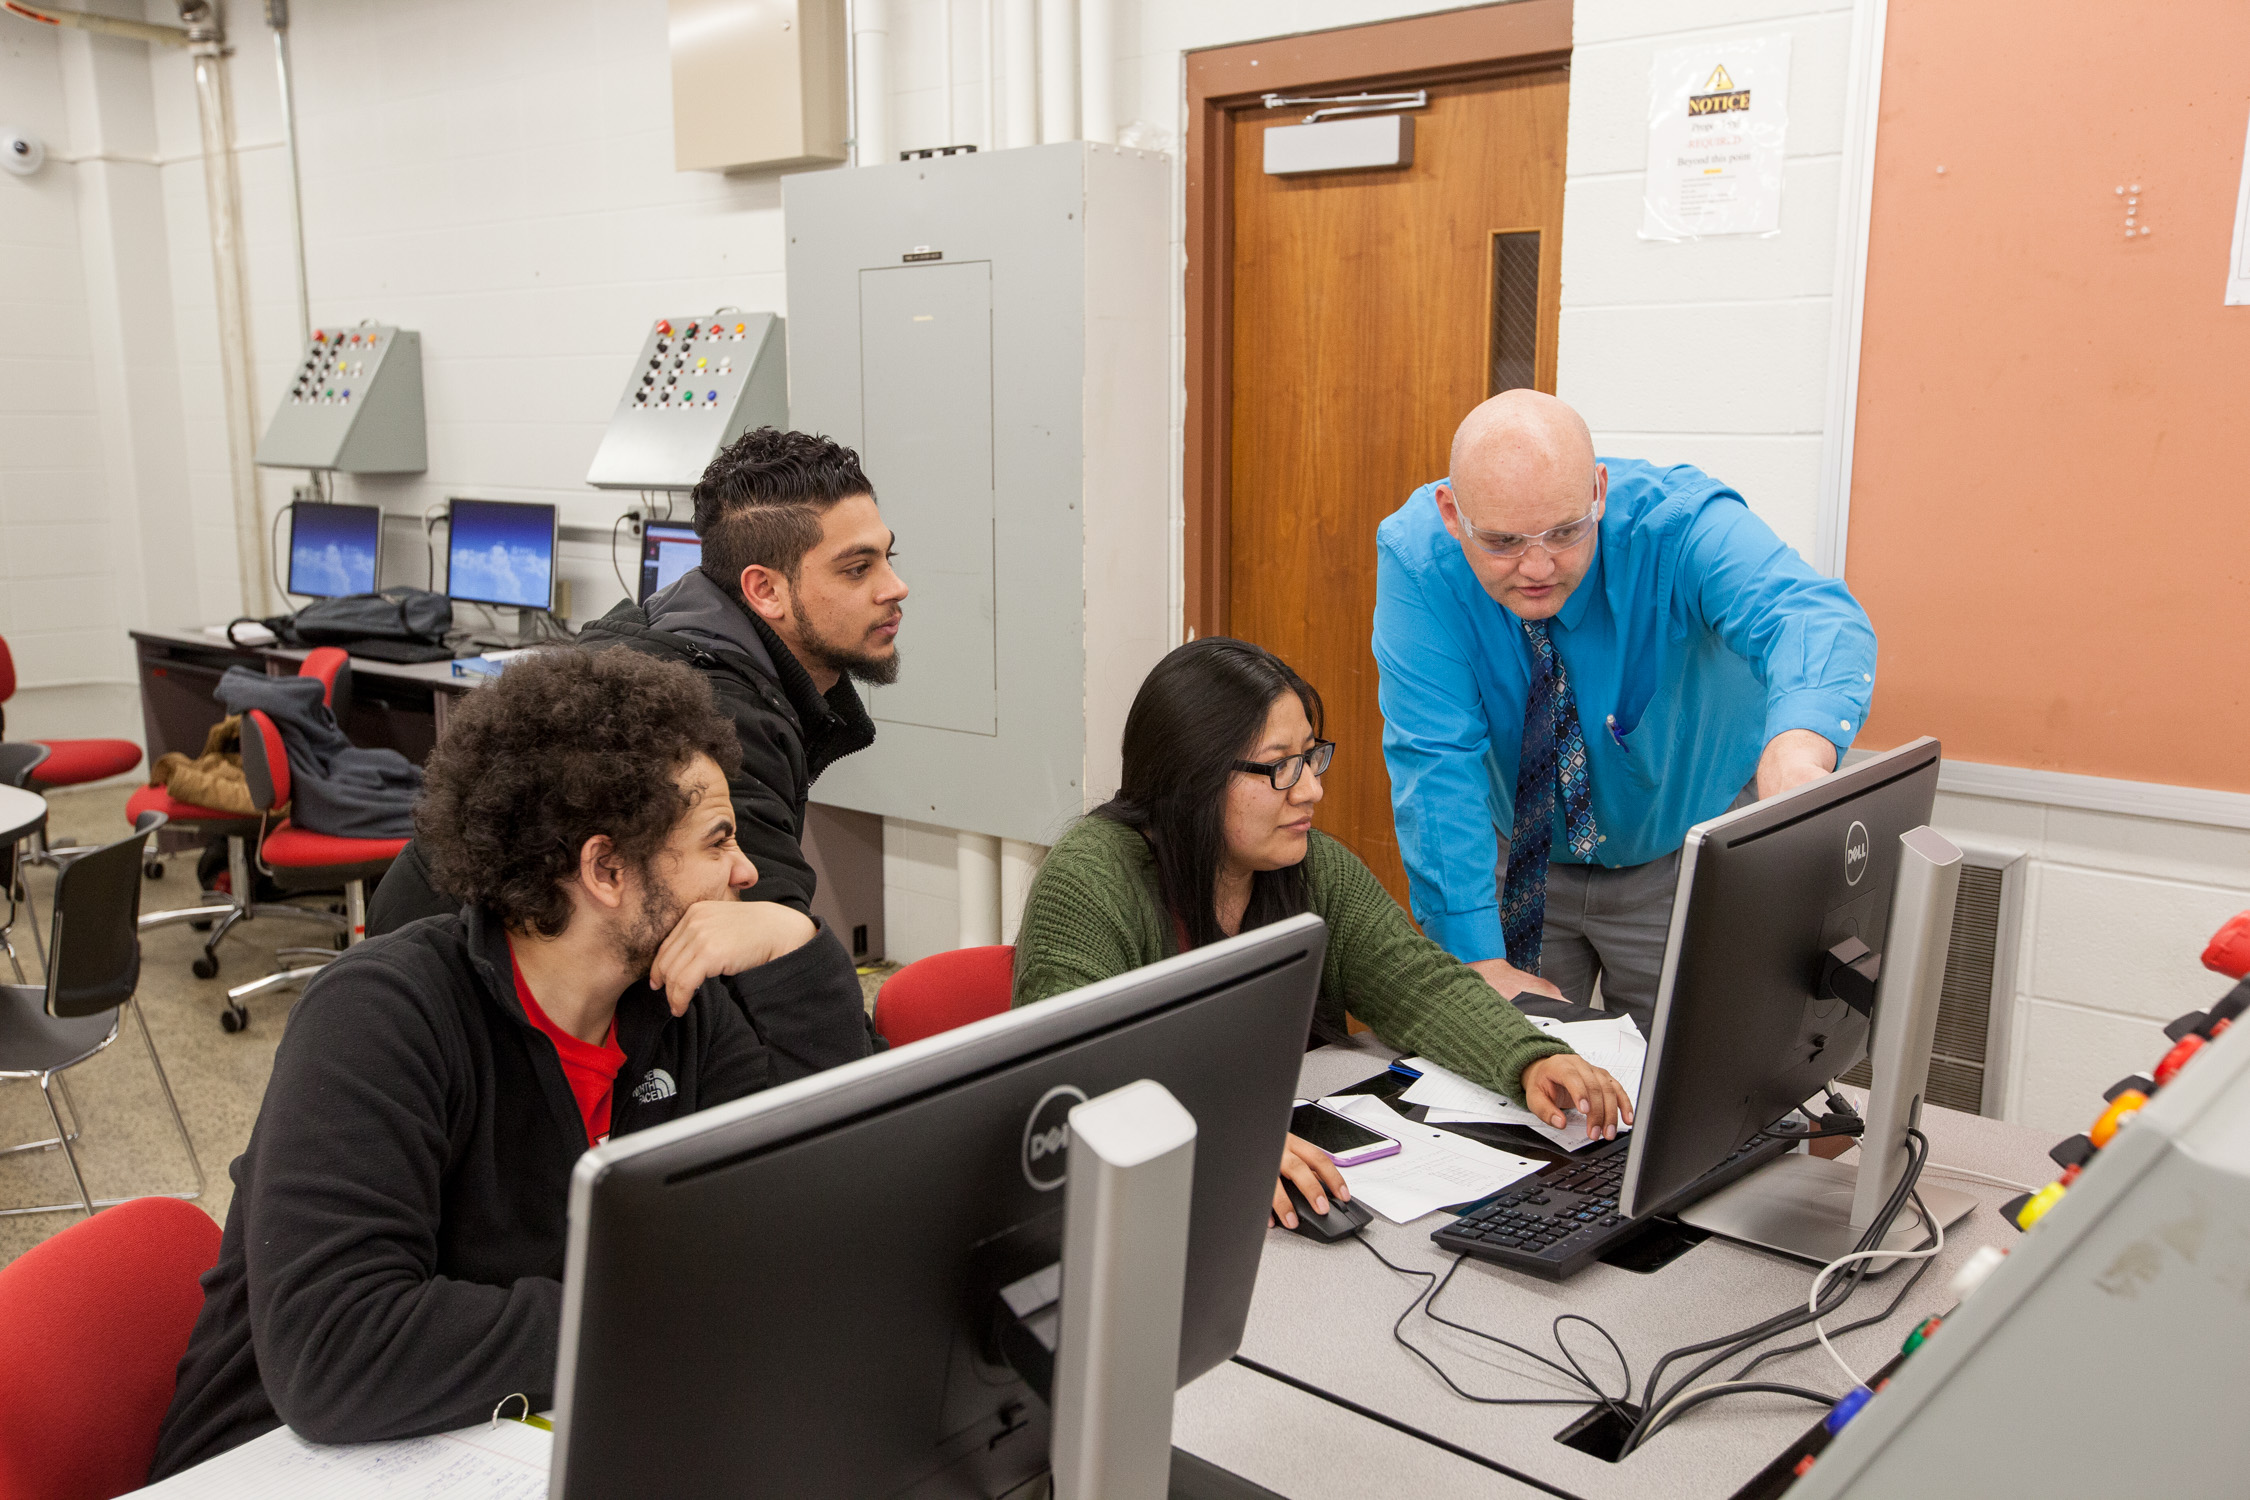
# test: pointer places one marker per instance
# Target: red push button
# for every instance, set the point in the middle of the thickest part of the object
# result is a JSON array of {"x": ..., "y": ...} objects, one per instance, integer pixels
[
  {"x": 2182, "y": 1053},
  {"x": 2229, "y": 953}
]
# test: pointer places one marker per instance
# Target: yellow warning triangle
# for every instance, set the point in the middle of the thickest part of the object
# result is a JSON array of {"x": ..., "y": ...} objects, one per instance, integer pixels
[{"x": 1720, "y": 83}]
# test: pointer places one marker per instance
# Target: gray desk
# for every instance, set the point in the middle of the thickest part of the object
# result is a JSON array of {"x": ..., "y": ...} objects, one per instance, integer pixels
[
  {"x": 1323, "y": 1315},
  {"x": 401, "y": 706}
]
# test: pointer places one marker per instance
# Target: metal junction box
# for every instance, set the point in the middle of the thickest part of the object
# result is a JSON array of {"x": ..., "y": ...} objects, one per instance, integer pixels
[
  {"x": 991, "y": 332},
  {"x": 700, "y": 381},
  {"x": 354, "y": 404}
]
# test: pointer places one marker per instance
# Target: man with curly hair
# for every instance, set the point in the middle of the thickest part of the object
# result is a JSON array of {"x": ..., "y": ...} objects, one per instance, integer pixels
[
  {"x": 795, "y": 600},
  {"x": 393, "y": 1256}
]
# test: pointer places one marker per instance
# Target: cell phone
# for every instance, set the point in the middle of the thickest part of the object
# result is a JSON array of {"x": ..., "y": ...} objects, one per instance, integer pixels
[{"x": 1342, "y": 1137}]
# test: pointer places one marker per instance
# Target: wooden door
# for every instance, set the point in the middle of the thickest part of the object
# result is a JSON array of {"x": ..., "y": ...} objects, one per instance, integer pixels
[{"x": 1371, "y": 311}]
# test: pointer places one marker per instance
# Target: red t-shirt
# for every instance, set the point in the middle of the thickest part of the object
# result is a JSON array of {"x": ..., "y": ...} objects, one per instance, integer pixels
[{"x": 590, "y": 1070}]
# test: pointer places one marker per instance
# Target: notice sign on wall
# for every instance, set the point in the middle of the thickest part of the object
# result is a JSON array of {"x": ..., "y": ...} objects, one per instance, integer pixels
[{"x": 1718, "y": 114}]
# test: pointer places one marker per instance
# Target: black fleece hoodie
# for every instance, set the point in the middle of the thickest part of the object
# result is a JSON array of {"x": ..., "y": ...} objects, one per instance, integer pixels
[{"x": 393, "y": 1258}]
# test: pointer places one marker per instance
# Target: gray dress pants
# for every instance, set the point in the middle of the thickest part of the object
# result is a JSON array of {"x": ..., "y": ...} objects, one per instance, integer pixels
[{"x": 1607, "y": 925}]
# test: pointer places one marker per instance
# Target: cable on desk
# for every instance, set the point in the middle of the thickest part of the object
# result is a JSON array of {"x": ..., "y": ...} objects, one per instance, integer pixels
[
  {"x": 1654, "y": 1406},
  {"x": 1939, "y": 1169},
  {"x": 1695, "y": 1398},
  {"x": 1576, "y": 1372},
  {"x": 1867, "y": 1322},
  {"x": 1398, "y": 1332},
  {"x": 1927, "y": 1253},
  {"x": 273, "y": 550}
]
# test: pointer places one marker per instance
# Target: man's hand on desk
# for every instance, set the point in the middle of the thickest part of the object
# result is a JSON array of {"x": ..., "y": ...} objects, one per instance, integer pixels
[
  {"x": 1555, "y": 1085},
  {"x": 715, "y": 938},
  {"x": 1316, "y": 1177},
  {"x": 1511, "y": 981},
  {"x": 1793, "y": 757}
]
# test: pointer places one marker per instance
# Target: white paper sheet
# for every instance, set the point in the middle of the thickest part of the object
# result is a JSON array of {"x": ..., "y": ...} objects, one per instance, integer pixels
[
  {"x": 507, "y": 1462},
  {"x": 1718, "y": 122},
  {"x": 1613, "y": 1043},
  {"x": 1432, "y": 1167}
]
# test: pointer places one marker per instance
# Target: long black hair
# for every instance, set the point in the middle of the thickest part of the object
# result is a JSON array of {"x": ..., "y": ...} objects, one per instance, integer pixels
[{"x": 1203, "y": 708}]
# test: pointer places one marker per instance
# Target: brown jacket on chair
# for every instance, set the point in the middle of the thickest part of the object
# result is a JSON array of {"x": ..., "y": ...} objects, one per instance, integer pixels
[{"x": 213, "y": 779}]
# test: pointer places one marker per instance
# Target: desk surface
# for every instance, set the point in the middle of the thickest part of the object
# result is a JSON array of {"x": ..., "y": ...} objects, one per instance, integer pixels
[
  {"x": 1323, "y": 1315},
  {"x": 438, "y": 676},
  {"x": 20, "y": 812}
]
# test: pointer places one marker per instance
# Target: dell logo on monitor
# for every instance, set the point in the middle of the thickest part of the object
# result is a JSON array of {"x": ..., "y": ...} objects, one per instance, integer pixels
[
  {"x": 1046, "y": 1137},
  {"x": 1855, "y": 853}
]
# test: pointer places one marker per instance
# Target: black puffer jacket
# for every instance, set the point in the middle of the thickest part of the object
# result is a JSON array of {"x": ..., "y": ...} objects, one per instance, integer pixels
[
  {"x": 790, "y": 733},
  {"x": 790, "y": 730}
]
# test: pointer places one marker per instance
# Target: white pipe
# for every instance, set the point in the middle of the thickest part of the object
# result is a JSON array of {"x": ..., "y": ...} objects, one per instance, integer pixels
[
  {"x": 989, "y": 19},
  {"x": 223, "y": 198},
  {"x": 945, "y": 36},
  {"x": 277, "y": 16},
  {"x": 976, "y": 867},
  {"x": 1097, "y": 69},
  {"x": 1058, "y": 70},
  {"x": 1018, "y": 863},
  {"x": 871, "y": 79},
  {"x": 1020, "y": 72}
]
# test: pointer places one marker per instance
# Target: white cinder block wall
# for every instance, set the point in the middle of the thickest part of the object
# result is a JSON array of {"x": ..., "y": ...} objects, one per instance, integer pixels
[
  {"x": 1714, "y": 352},
  {"x": 497, "y": 174}
]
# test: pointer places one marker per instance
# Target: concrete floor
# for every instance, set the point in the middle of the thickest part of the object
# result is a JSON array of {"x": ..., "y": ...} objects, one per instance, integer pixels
[{"x": 128, "y": 1145}]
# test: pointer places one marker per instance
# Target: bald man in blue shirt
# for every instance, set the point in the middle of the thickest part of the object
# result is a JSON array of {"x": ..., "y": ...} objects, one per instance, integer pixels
[{"x": 1581, "y": 659}]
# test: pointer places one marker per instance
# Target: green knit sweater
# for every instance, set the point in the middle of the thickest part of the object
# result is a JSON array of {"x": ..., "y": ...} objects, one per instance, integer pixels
[{"x": 1093, "y": 913}]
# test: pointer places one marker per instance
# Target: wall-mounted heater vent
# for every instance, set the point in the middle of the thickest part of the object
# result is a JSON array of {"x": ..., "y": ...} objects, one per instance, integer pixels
[{"x": 1969, "y": 1059}]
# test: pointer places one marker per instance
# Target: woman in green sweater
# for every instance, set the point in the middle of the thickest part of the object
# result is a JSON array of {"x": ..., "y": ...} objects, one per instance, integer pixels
[{"x": 1211, "y": 835}]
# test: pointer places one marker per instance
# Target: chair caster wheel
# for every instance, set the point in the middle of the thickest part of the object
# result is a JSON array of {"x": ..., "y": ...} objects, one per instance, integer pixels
[
  {"x": 233, "y": 1019},
  {"x": 153, "y": 869},
  {"x": 203, "y": 926},
  {"x": 206, "y": 967}
]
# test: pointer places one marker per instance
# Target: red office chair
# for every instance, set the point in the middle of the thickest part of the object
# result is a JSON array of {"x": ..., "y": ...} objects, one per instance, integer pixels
[
  {"x": 97, "y": 1320},
  {"x": 224, "y": 909},
  {"x": 943, "y": 991},
  {"x": 72, "y": 762},
  {"x": 299, "y": 859}
]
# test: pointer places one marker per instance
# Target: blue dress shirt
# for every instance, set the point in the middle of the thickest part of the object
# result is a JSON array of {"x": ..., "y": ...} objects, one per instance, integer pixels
[{"x": 1695, "y": 637}]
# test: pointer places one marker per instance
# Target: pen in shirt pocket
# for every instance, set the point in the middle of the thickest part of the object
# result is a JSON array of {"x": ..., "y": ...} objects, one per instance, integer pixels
[{"x": 1611, "y": 721}]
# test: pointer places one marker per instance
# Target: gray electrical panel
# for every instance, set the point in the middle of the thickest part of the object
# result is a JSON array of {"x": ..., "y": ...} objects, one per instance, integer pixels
[
  {"x": 701, "y": 381},
  {"x": 991, "y": 331},
  {"x": 354, "y": 405}
]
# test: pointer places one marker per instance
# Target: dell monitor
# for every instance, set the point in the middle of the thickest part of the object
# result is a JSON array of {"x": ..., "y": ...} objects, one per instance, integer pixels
[
  {"x": 668, "y": 550},
  {"x": 334, "y": 549},
  {"x": 1750, "y": 1019},
  {"x": 799, "y": 1293},
  {"x": 500, "y": 552}
]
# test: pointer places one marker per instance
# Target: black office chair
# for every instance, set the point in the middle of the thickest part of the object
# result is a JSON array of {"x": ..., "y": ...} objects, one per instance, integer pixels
[
  {"x": 17, "y": 762},
  {"x": 93, "y": 969}
]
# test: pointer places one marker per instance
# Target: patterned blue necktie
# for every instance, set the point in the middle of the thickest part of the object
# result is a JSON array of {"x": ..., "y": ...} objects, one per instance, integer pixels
[{"x": 1553, "y": 763}]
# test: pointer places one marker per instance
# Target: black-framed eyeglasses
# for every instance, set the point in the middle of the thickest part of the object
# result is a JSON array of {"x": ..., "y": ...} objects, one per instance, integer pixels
[{"x": 1285, "y": 773}]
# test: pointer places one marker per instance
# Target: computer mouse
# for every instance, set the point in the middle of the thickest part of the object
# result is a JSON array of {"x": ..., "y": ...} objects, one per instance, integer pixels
[{"x": 1340, "y": 1222}]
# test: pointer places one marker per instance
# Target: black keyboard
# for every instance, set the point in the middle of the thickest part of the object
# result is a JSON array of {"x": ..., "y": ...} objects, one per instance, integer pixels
[{"x": 1562, "y": 1218}]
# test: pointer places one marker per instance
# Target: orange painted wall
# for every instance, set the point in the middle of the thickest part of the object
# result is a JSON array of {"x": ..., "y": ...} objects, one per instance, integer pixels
[{"x": 2050, "y": 511}]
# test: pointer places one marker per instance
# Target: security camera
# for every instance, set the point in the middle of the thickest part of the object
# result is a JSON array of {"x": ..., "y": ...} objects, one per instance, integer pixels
[{"x": 20, "y": 153}]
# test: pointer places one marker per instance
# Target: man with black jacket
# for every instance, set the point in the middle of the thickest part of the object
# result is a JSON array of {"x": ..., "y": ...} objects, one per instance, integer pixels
[
  {"x": 795, "y": 598},
  {"x": 393, "y": 1257}
]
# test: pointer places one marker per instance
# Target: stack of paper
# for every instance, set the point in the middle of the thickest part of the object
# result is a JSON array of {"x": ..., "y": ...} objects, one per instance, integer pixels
[
  {"x": 1614, "y": 1044},
  {"x": 1431, "y": 1169},
  {"x": 506, "y": 1460}
]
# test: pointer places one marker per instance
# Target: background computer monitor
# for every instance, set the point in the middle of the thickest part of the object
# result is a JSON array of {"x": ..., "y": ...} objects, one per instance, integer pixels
[
  {"x": 795, "y": 1294},
  {"x": 500, "y": 552},
  {"x": 334, "y": 549},
  {"x": 668, "y": 549},
  {"x": 1743, "y": 1033}
]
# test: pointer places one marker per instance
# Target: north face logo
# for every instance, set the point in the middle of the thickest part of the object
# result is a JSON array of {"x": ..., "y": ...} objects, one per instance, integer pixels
[{"x": 655, "y": 1087}]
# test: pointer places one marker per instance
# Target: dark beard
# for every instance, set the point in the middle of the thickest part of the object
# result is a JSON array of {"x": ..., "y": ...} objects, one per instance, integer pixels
[
  {"x": 659, "y": 913},
  {"x": 882, "y": 671}
]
